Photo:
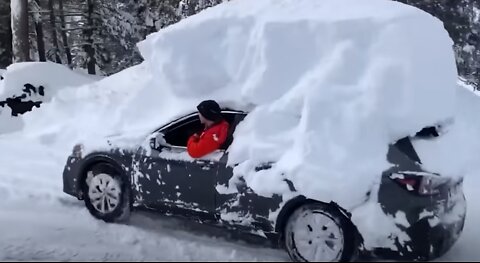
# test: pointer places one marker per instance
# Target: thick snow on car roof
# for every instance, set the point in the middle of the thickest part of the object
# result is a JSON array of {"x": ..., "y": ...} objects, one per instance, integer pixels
[{"x": 330, "y": 84}]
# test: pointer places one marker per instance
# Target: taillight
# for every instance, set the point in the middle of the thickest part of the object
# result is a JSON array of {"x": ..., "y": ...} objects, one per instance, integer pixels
[{"x": 420, "y": 182}]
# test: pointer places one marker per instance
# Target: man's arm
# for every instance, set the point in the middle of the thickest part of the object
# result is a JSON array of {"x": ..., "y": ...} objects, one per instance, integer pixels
[{"x": 197, "y": 147}]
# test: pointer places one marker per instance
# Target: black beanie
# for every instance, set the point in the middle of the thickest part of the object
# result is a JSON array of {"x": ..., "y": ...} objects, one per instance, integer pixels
[{"x": 210, "y": 110}]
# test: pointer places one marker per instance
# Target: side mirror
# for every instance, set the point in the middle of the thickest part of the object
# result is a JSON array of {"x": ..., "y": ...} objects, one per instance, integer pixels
[
  {"x": 157, "y": 141},
  {"x": 153, "y": 143}
]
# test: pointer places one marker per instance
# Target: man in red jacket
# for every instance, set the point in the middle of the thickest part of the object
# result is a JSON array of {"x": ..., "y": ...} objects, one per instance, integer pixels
[{"x": 215, "y": 131}]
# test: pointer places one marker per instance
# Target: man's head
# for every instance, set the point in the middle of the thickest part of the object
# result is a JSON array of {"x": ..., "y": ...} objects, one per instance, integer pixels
[{"x": 209, "y": 112}]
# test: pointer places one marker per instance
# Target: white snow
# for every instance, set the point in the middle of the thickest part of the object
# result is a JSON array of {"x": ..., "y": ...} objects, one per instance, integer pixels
[
  {"x": 324, "y": 108},
  {"x": 52, "y": 76},
  {"x": 401, "y": 219}
]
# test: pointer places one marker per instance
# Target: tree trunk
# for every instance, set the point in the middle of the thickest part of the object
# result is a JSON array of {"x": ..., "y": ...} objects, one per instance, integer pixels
[
  {"x": 20, "y": 38},
  {"x": 5, "y": 34},
  {"x": 54, "y": 32},
  {"x": 89, "y": 49},
  {"x": 64, "y": 34},
  {"x": 39, "y": 30}
]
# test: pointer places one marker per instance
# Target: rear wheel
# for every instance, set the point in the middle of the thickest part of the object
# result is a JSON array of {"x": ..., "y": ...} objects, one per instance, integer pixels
[
  {"x": 107, "y": 195},
  {"x": 319, "y": 232}
]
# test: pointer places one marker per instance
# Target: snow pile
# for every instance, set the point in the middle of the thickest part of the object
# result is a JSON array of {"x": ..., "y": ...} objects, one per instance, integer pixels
[
  {"x": 330, "y": 84},
  {"x": 86, "y": 112},
  {"x": 459, "y": 136},
  {"x": 46, "y": 79},
  {"x": 52, "y": 76}
]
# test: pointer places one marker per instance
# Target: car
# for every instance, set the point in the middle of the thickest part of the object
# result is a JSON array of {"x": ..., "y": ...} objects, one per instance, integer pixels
[{"x": 160, "y": 176}]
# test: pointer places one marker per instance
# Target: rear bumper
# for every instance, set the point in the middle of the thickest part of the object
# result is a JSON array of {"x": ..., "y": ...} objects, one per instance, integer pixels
[{"x": 431, "y": 237}]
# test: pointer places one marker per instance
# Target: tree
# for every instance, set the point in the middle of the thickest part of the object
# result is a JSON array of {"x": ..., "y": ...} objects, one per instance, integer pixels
[
  {"x": 20, "y": 37},
  {"x": 39, "y": 30},
  {"x": 5, "y": 34},
  {"x": 54, "y": 32},
  {"x": 64, "y": 33}
]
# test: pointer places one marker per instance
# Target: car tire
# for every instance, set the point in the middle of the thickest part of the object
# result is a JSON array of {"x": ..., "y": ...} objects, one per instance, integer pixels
[
  {"x": 319, "y": 232},
  {"x": 107, "y": 193}
]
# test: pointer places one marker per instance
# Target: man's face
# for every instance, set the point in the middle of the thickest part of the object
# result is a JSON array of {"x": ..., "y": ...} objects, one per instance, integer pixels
[{"x": 202, "y": 119}]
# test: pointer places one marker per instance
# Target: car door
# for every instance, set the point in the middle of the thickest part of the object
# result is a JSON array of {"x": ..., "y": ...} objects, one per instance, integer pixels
[
  {"x": 171, "y": 177},
  {"x": 236, "y": 203}
]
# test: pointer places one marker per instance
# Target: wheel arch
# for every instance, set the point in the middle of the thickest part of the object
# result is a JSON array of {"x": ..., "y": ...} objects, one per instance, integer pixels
[
  {"x": 91, "y": 161},
  {"x": 298, "y": 201}
]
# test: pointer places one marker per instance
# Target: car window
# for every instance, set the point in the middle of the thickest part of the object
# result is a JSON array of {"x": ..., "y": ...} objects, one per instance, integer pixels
[
  {"x": 178, "y": 134},
  {"x": 405, "y": 144},
  {"x": 406, "y": 147}
]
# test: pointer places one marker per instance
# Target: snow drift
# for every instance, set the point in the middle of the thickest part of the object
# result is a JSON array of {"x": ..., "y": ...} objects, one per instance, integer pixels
[
  {"x": 327, "y": 84},
  {"x": 52, "y": 76},
  {"x": 45, "y": 80}
]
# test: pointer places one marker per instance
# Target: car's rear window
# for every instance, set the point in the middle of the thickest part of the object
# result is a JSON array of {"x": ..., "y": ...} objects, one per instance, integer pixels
[
  {"x": 405, "y": 144},
  {"x": 406, "y": 147}
]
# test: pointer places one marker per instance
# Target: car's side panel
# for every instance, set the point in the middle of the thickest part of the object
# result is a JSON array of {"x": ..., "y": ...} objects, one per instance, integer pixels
[
  {"x": 170, "y": 177},
  {"x": 243, "y": 205}
]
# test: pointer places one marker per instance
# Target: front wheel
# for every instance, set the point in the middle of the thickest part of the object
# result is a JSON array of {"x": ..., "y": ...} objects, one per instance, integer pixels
[
  {"x": 319, "y": 232},
  {"x": 107, "y": 193}
]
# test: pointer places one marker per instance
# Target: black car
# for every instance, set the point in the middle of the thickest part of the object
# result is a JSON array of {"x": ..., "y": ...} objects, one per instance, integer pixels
[{"x": 159, "y": 175}]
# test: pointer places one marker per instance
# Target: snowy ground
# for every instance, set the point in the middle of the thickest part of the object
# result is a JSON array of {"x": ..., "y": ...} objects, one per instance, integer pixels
[{"x": 39, "y": 222}]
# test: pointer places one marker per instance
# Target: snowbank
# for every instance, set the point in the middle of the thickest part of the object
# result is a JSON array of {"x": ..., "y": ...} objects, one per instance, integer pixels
[
  {"x": 43, "y": 79},
  {"x": 52, "y": 76},
  {"x": 88, "y": 112}
]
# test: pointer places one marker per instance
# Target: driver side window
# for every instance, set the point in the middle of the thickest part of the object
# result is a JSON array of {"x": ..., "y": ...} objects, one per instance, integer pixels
[{"x": 178, "y": 134}]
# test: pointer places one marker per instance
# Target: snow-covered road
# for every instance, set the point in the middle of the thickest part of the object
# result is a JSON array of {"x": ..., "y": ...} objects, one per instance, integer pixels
[
  {"x": 56, "y": 232},
  {"x": 39, "y": 222}
]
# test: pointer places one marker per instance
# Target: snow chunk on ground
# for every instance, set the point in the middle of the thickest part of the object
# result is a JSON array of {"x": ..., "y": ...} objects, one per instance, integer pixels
[{"x": 324, "y": 108}]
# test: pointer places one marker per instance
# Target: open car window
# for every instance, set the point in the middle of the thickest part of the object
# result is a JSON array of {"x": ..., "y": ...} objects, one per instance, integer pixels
[{"x": 179, "y": 131}]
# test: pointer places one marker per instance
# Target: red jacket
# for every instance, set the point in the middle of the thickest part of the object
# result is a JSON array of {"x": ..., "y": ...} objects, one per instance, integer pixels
[{"x": 210, "y": 140}]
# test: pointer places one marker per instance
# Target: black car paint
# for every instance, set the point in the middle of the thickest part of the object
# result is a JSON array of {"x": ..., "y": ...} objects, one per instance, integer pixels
[{"x": 156, "y": 188}]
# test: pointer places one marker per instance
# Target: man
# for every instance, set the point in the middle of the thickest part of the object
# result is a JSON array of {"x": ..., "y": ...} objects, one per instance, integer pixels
[{"x": 215, "y": 131}]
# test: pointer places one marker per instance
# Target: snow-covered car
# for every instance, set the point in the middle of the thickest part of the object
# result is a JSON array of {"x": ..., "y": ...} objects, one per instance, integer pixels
[{"x": 159, "y": 175}]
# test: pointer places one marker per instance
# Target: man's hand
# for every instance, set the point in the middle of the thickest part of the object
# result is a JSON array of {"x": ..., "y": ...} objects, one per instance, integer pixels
[{"x": 195, "y": 137}]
